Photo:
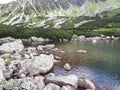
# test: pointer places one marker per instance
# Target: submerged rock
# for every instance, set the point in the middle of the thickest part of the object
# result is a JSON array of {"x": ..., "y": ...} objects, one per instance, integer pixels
[
  {"x": 86, "y": 84},
  {"x": 12, "y": 46},
  {"x": 51, "y": 86},
  {"x": 71, "y": 80}
]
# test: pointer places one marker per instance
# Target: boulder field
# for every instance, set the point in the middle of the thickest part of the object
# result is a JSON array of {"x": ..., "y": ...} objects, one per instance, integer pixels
[{"x": 31, "y": 69}]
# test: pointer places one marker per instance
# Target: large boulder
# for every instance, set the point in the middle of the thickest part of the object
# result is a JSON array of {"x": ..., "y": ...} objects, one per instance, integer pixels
[
  {"x": 40, "y": 65},
  {"x": 12, "y": 46},
  {"x": 86, "y": 83},
  {"x": 51, "y": 86},
  {"x": 71, "y": 80}
]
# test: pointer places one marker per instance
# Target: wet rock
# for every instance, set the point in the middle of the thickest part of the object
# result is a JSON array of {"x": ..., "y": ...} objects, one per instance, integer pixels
[
  {"x": 51, "y": 86},
  {"x": 12, "y": 46},
  {"x": 39, "y": 82},
  {"x": 67, "y": 88},
  {"x": 71, "y": 80},
  {"x": 86, "y": 83},
  {"x": 40, "y": 65},
  {"x": 67, "y": 67}
]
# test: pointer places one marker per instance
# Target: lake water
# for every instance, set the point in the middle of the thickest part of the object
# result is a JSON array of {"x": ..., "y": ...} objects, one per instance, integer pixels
[{"x": 101, "y": 63}]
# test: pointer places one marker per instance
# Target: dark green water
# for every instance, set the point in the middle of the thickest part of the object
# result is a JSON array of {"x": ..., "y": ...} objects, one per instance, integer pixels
[{"x": 101, "y": 63}]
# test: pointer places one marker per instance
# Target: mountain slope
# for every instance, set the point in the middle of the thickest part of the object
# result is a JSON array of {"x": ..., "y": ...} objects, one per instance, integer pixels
[{"x": 44, "y": 13}]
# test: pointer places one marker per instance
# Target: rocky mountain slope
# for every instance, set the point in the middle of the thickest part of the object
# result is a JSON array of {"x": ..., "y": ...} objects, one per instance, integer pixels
[{"x": 52, "y": 13}]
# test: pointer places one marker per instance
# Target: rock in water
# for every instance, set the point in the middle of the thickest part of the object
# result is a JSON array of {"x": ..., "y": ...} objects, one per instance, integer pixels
[
  {"x": 51, "y": 86},
  {"x": 86, "y": 84},
  {"x": 71, "y": 80},
  {"x": 67, "y": 67},
  {"x": 12, "y": 46},
  {"x": 40, "y": 65}
]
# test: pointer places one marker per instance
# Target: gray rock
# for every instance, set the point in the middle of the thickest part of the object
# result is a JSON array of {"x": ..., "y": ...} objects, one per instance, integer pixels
[
  {"x": 2, "y": 64},
  {"x": 39, "y": 82},
  {"x": 27, "y": 84},
  {"x": 67, "y": 67},
  {"x": 81, "y": 38},
  {"x": 8, "y": 73},
  {"x": 1, "y": 87},
  {"x": 2, "y": 67},
  {"x": 86, "y": 83},
  {"x": 12, "y": 46},
  {"x": 8, "y": 85},
  {"x": 6, "y": 39},
  {"x": 2, "y": 78},
  {"x": 67, "y": 88},
  {"x": 40, "y": 65},
  {"x": 71, "y": 80},
  {"x": 51, "y": 86}
]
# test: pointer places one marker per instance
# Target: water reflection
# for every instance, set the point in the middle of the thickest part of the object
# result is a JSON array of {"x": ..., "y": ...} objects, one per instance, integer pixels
[{"x": 101, "y": 63}]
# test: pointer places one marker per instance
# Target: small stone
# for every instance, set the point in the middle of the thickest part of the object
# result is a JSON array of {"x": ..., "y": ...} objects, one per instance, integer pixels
[
  {"x": 67, "y": 67},
  {"x": 86, "y": 84}
]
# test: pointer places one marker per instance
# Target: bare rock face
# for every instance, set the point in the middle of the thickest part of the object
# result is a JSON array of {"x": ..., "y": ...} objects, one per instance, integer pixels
[
  {"x": 12, "y": 46},
  {"x": 71, "y": 80},
  {"x": 51, "y": 86},
  {"x": 40, "y": 65},
  {"x": 86, "y": 83},
  {"x": 67, "y": 67}
]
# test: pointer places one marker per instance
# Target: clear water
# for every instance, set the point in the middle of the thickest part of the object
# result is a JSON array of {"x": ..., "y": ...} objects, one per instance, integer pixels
[{"x": 101, "y": 63}]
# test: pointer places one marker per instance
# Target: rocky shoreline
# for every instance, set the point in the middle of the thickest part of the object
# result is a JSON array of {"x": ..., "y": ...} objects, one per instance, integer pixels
[{"x": 30, "y": 69}]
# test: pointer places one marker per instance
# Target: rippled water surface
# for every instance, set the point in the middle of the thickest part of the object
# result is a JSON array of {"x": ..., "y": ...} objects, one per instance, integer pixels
[{"x": 101, "y": 63}]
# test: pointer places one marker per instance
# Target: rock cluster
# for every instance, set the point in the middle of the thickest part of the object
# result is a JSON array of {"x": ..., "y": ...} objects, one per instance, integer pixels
[{"x": 25, "y": 69}]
